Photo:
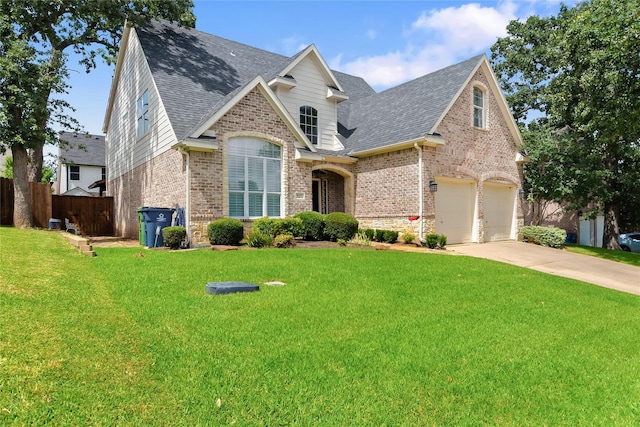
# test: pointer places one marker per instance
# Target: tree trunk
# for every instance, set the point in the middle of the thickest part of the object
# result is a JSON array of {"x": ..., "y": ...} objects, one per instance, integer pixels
[
  {"x": 611, "y": 229},
  {"x": 21, "y": 194},
  {"x": 35, "y": 165}
]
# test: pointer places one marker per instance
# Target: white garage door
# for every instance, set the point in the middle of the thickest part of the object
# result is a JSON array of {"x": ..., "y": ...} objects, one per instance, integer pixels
[
  {"x": 499, "y": 204},
  {"x": 455, "y": 209}
]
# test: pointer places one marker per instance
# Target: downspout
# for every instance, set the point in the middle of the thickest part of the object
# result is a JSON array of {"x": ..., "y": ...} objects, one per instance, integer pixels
[
  {"x": 420, "y": 194},
  {"x": 187, "y": 208}
]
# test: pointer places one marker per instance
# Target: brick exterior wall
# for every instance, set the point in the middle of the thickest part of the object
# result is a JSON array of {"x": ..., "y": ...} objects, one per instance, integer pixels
[
  {"x": 252, "y": 117},
  {"x": 380, "y": 190},
  {"x": 387, "y": 184},
  {"x": 161, "y": 182}
]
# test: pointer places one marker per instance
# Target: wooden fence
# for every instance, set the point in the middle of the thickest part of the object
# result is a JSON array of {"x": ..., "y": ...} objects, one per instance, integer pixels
[
  {"x": 40, "y": 203},
  {"x": 92, "y": 215},
  {"x": 6, "y": 201}
]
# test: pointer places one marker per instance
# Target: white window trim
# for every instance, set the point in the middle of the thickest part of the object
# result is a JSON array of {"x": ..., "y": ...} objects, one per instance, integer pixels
[
  {"x": 142, "y": 114},
  {"x": 485, "y": 115},
  {"x": 247, "y": 192},
  {"x": 316, "y": 126}
]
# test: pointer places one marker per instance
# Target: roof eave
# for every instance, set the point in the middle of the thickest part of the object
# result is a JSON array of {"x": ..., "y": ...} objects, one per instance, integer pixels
[
  {"x": 347, "y": 160},
  {"x": 194, "y": 144},
  {"x": 280, "y": 82},
  {"x": 308, "y": 157},
  {"x": 124, "y": 43},
  {"x": 426, "y": 141}
]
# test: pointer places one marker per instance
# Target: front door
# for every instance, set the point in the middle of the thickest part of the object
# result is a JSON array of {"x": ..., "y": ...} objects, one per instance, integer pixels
[{"x": 319, "y": 188}]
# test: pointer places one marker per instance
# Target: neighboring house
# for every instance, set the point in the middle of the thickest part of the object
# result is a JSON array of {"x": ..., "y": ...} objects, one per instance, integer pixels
[
  {"x": 81, "y": 163},
  {"x": 228, "y": 130}
]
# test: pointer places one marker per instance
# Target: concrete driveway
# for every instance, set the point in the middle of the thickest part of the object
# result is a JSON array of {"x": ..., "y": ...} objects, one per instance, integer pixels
[{"x": 609, "y": 274}]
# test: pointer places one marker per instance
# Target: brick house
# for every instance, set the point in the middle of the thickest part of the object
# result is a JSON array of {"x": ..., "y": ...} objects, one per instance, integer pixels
[{"x": 228, "y": 130}]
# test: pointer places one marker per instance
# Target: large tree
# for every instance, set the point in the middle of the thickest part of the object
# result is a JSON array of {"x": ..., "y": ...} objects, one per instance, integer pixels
[
  {"x": 580, "y": 70},
  {"x": 35, "y": 39}
]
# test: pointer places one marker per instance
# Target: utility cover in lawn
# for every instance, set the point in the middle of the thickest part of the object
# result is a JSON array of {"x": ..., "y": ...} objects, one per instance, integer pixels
[{"x": 230, "y": 287}]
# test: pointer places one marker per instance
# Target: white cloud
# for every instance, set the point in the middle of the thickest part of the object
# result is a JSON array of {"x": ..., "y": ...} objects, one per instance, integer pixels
[
  {"x": 437, "y": 38},
  {"x": 291, "y": 45}
]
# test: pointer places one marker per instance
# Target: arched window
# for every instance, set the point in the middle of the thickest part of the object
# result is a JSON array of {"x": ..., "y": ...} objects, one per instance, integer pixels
[
  {"x": 479, "y": 110},
  {"x": 255, "y": 178},
  {"x": 309, "y": 123}
]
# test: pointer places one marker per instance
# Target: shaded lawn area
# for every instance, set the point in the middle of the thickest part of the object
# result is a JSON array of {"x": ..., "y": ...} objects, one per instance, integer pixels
[
  {"x": 355, "y": 337},
  {"x": 630, "y": 258}
]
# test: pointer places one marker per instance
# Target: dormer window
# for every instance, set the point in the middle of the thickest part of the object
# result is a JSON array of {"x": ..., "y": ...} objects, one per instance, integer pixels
[
  {"x": 309, "y": 123},
  {"x": 479, "y": 109}
]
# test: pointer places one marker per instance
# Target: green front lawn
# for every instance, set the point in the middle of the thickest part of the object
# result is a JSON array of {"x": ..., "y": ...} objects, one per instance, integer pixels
[{"x": 355, "y": 337}]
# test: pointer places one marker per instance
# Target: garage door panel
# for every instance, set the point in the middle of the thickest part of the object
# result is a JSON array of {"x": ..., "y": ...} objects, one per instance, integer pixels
[
  {"x": 455, "y": 209},
  {"x": 498, "y": 211}
]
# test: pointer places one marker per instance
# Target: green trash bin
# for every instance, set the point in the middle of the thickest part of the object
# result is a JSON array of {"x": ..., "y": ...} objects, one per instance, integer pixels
[{"x": 140, "y": 227}]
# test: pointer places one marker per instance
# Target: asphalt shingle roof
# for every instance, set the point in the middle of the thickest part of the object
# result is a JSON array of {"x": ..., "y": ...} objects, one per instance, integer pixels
[
  {"x": 196, "y": 73},
  {"x": 82, "y": 149},
  {"x": 405, "y": 112}
]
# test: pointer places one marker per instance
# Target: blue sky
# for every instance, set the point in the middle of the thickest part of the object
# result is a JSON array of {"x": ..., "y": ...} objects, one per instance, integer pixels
[{"x": 384, "y": 42}]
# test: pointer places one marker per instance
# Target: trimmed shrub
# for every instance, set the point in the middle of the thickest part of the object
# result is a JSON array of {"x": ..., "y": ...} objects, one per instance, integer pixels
[
  {"x": 225, "y": 231},
  {"x": 432, "y": 241},
  {"x": 370, "y": 233},
  {"x": 342, "y": 242},
  {"x": 284, "y": 241},
  {"x": 545, "y": 236},
  {"x": 312, "y": 224},
  {"x": 173, "y": 236},
  {"x": 291, "y": 226},
  {"x": 259, "y": 240},
  {"x": 442, "y": 241},
  {"x": 339, "y": 225},
  {"x": 264, "y": 226},
  {"x": 408, "y": 238},
  {"x": 275, "y": 226},
  {"x": 379, "y": 235},
  {"x": 390, "y": 236}
]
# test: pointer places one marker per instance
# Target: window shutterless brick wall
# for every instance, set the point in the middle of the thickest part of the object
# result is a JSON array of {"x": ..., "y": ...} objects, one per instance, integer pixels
[
  {"x": 252, "y": 117},
  {"x": 161, "y": 182}
]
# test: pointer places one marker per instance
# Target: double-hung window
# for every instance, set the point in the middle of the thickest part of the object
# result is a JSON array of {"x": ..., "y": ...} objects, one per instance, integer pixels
[
  {"x": 142, "y": 113},
  {"x": 309, "y": 123},
  {"x": 479, "y": 110},
  {"x": 74, "y": 173},
  {"x": 255, "y": 178}
]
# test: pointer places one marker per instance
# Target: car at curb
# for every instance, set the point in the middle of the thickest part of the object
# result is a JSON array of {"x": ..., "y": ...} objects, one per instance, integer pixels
[{"x": 630, "y": 242}]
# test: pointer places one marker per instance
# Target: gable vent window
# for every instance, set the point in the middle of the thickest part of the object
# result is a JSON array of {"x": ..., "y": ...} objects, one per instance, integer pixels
[
  {"x": 309, "y": 123},
  {"x": 479, "y": 109},
  {"x": 74, "y": 173},
  {"x": 142, "y": 113}
]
